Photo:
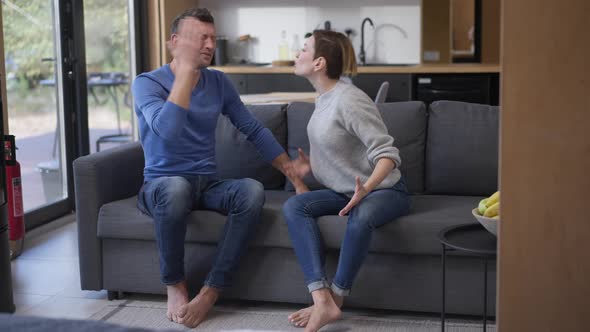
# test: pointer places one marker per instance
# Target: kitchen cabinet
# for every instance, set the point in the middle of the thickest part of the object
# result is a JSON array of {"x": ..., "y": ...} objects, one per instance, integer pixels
[
  {"x": 239, "y": 82},
  {"x": 265, "y": 83},
  {"x": 482, "y": 88},
  {"x": 399, "y": 89}
]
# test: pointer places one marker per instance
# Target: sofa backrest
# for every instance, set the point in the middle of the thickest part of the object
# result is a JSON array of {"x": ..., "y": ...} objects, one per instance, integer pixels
[
  {"x": 462, "y": 149},
  {"x": 238, "y": 158},
  {"x": 405, "y": 121}
]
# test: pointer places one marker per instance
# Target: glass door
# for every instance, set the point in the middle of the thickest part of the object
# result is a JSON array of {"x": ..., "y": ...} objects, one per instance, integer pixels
[
  {"x": 35, "y": 100},
  {"x": 46, "y": 80},
  {"x": 109, "y": 40}
]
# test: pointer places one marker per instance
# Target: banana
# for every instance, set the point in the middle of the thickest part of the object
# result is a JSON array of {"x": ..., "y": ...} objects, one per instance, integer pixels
[
  {"x": 493, "y": 210},
  {"x": 493, "y": 199},
  {"x": 481, "y": 208}
]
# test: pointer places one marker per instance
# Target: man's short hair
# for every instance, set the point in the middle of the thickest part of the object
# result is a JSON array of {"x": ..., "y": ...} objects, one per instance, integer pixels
[{"x": 201, "y": 14}]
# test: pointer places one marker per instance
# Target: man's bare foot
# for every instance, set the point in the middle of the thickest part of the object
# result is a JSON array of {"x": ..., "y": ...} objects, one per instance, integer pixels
[
  {"x": 193, "y": 313},
  {"x": 177, "y": 297},
  {"x": 324, "y": 310},
  {"x": 301, "y": 317}
]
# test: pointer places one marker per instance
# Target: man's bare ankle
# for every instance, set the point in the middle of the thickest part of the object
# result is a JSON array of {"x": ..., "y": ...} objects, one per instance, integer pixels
[
  {"x": 179, "y": 285},
  {"x": 209, "y": 292}
]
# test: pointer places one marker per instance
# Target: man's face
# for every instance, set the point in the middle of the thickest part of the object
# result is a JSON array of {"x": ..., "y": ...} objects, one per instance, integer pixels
[{"x": 202, "y": 34}]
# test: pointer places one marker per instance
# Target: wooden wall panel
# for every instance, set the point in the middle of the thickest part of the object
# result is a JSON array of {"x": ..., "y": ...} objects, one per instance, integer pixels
[
  {"x": 436, "y": 29},
  {"x": 490, "y": 31},
  {"x": 154, "y": 41},
  {"x": 462, "y": 21},
  {"x": 544, "y": 242}
]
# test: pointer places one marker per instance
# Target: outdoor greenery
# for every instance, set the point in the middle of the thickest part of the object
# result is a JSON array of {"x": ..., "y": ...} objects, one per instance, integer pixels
[{"x": 29, "y": 47}]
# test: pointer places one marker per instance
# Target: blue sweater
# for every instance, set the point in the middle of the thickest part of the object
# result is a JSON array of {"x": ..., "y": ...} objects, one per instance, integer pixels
[{"x": 180, "y": 142}]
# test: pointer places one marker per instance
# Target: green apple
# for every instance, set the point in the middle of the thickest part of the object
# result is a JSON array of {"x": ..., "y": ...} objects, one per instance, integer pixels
[{"x": 481, "y": 208}]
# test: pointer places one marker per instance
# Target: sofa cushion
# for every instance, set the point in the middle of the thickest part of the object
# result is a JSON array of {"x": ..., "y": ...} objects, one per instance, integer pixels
[
  {"x": 238, "y": 158},
  {"x": 405, "y": 121},
  {"x": 415, "y": 233},
  {"x": 462, "y": 149},
  {"x": 298, "y": 115}
]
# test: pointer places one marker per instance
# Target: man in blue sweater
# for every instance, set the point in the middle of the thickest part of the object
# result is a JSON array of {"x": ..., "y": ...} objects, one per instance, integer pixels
[{"x": 177, "y": 107}]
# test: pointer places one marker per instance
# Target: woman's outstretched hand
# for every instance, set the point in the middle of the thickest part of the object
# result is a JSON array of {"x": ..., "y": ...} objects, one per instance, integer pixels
[
  {"x": 302, "y": 165},
  {"x": 359, "y": 193}
]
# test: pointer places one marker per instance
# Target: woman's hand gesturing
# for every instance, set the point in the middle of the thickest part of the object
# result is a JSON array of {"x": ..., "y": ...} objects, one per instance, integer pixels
[{"x": 359, "y": 193}]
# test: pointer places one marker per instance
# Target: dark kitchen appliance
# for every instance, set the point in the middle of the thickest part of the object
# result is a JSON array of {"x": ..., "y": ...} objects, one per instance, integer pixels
[{"x": 471, "y": 88}]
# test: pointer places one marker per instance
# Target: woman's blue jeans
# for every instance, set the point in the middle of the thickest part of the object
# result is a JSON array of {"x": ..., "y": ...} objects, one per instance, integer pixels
[
  {"x": 379, "y": 207},
  {"x": 168, "y": 200}
]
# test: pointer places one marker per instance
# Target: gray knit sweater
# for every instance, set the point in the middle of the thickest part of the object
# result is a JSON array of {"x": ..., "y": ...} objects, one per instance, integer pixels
[{"x": 347, "y": 137}]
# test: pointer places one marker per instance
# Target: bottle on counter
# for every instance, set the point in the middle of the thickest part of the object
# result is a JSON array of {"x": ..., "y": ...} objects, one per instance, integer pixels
[
  {"x": 295, "y": 47},
  {"x": 283, "y": 46}
]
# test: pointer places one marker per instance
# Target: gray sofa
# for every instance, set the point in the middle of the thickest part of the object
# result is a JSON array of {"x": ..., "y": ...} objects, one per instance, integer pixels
[{"x": 449, "y": 159}]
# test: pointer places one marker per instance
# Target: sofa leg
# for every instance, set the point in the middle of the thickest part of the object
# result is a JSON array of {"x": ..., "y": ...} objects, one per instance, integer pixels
[{"x": 113, "y": 295}]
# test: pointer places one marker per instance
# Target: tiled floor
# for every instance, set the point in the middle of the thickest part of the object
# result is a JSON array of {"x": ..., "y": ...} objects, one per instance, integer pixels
[{"x": 46, "y": 276}]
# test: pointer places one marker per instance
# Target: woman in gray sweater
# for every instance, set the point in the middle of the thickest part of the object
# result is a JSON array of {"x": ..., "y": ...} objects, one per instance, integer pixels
[{"x": 353, "y": 156}]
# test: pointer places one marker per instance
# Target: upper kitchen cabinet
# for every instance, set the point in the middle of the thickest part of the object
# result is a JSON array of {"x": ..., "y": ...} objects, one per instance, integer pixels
[{"x": 455, "y": 31}]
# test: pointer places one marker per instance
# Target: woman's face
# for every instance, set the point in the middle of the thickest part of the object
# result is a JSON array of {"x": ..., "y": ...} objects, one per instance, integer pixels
[{"x": 304, "y": 61}]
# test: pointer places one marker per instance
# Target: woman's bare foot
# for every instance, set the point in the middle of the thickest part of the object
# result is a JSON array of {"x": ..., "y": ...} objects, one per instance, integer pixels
[
  {"x": 301, "y": 317},
  {"x": 193, "y": 313},
  {"x": 324, "y": 310},
  {"x": 177, "y": 297}
]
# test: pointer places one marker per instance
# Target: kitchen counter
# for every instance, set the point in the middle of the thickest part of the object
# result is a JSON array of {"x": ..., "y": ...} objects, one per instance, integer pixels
[
  {"x": 278, "y": 97},
  {"x": 386, "y": 69}
]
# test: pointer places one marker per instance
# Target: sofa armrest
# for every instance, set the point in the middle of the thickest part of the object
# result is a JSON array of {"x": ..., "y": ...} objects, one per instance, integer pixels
[{"x": 100, "y": 178}]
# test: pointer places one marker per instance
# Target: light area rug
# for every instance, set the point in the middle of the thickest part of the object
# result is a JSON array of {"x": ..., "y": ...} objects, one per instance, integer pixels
[{"x": 268, "y": 317}]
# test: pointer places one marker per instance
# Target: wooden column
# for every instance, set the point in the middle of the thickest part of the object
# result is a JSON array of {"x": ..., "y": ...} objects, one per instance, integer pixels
[
  {"x": 436, "y": 29},
  {"x": 544, "y": 242},
  {"x": 490, "y": 31}
]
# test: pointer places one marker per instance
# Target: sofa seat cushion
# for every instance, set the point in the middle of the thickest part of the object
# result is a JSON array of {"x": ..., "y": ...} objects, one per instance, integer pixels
[
  {"x": 415, "y": 233},
  {"x": 123, "y": 220}
]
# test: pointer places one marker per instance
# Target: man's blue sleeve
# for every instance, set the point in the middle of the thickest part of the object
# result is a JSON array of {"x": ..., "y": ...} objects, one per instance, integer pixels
[
  {"x": 164, "y": 118},
  {"x": 260, "y": 136}
]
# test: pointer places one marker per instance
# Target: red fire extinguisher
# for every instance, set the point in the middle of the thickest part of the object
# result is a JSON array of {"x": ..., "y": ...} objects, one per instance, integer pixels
[{"x": 14, "y": 198}]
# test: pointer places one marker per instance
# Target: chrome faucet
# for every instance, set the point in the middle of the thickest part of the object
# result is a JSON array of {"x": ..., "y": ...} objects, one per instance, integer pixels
[{"x": 362, "y": 52}]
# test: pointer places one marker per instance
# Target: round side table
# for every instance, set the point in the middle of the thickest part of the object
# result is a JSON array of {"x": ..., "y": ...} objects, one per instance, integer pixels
[{"x": 472, "y": 240}]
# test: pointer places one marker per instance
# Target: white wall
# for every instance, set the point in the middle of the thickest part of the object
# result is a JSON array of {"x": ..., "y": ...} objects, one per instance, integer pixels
[{"x": 395, "y": 39}]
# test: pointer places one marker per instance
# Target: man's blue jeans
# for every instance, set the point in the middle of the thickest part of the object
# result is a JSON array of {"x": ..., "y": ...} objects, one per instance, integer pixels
[
  {"x": 376, "y": 209},
  {"x": 168, "y": 200}
]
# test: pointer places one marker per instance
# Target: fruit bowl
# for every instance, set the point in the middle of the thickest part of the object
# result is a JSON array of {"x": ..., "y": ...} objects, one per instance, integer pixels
[{"x": 490, "y": 224}]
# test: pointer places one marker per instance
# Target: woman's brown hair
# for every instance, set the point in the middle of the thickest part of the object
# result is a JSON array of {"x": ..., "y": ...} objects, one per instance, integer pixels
[{"x": 338, "y": 52}]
